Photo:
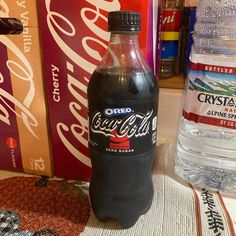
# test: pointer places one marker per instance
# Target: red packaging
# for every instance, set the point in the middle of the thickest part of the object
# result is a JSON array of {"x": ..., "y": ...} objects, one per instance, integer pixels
[
  {"x": 74, "y": 38},
  {"x": 24, "y": 138},
  {"x": 171, "y": 20}
]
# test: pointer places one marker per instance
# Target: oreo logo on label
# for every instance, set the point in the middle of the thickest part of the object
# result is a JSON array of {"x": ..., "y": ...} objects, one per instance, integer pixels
[{"x": 117, "y": 111}]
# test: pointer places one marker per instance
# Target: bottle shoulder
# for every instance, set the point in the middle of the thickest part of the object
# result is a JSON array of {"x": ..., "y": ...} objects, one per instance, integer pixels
[{"x": 122, "y": 84}]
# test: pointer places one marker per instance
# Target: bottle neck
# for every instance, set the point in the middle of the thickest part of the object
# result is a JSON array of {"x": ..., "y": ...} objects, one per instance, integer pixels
[
  {"x": 124, "y": 44},
  {"x": 129, "y": 39},
  {"x": 124, "y": 51}
]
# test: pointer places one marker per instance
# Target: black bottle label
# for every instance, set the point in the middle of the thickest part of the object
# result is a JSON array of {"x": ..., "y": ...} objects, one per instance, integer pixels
[{"x": 123, "y": 129}]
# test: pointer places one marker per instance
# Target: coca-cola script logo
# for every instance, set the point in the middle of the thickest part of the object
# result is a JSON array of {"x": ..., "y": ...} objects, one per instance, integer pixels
[
  {"x": 4, "y": 9},
  {"x": 78, "y": 86},
  {"x": 133, "y": 125},
  {"x": 22, "y": 72}
]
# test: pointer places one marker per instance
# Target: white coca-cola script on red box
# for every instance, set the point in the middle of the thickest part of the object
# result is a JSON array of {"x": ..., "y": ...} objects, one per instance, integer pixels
[
  {"x": 74, "y": 38},
  {"x": 24, "y": 138}
]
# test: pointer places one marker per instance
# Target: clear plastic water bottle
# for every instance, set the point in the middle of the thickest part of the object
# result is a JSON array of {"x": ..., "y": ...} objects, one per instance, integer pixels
[{"x": 206, "y": 144}]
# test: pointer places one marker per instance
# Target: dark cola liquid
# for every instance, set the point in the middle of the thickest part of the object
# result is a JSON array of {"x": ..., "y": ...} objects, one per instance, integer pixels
[{"x": 122, "y": 121}]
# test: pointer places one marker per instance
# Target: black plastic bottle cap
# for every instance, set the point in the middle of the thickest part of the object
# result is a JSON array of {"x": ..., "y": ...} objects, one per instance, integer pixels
[{"x": 124, "y": 21}]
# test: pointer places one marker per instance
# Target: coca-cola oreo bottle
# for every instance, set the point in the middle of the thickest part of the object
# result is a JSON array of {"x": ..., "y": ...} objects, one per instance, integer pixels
[{"x": 122, "y": 97}]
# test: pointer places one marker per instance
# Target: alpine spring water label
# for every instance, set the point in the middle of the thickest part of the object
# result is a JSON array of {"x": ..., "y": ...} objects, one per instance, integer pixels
[{"x": 210, "y": 96}]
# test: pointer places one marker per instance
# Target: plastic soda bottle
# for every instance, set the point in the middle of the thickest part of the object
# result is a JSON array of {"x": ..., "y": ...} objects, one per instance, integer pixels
[{"x": 122, "y": 97}]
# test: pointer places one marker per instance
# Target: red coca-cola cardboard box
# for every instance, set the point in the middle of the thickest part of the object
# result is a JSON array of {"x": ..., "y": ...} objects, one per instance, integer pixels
[
  {"x": 74, "y": 38},
  {"x": 24, "y": 139}
]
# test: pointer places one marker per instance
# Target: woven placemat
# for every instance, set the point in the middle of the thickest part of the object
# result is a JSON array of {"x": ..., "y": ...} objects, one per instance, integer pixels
[{"x": 30, "y": 208}]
